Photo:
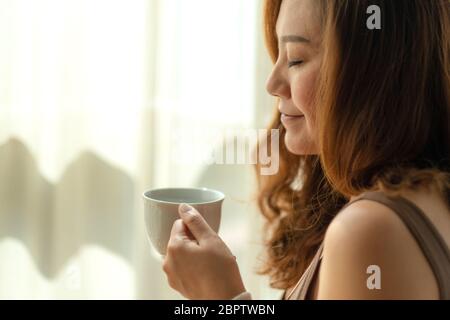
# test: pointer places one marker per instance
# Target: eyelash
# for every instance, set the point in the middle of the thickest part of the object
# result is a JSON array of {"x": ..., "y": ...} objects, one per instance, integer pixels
[{"x": 294, "y": 63}]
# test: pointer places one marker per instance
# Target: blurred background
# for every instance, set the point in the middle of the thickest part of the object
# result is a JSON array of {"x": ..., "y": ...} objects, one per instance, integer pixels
[{"x": 92, "y": 93}]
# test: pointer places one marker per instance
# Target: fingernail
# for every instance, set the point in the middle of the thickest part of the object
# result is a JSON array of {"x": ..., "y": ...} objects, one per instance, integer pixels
[{"x": 184, "y": 207}]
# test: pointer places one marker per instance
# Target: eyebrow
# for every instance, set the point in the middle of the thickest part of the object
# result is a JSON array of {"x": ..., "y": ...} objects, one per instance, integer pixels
[{"x": 292, "y": 38}]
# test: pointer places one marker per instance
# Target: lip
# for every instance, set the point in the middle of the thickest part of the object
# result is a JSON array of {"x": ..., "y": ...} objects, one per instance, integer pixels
[
  {"x": 288, "y": 114},
  {"x": 291, "y": 115},
  {"x": 286, "y": 120},
  {"x": 287, "y": 117}
]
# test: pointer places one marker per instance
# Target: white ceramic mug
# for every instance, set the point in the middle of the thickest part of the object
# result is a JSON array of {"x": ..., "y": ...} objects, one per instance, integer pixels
[{"x": 161, "y": 210}]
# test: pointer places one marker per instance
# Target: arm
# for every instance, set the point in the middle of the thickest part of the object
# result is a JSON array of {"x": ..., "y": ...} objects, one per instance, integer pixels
[{"x": 368, "y": 242}]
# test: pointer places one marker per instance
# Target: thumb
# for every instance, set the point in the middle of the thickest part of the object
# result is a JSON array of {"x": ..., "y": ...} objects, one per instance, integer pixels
[
  {"x": 181, "y": 232},
  {"x": 195, "y": 222}
]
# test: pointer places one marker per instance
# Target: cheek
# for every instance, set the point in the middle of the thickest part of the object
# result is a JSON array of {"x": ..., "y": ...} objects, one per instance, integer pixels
[{"x": 304, "y": 87}]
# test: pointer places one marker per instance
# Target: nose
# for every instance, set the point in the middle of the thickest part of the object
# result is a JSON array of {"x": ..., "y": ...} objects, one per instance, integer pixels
[{"x": 277, "y": 86}]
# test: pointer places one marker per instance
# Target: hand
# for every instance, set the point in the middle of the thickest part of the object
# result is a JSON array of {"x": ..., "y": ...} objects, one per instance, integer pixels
[{"x": 198, "y": 264}]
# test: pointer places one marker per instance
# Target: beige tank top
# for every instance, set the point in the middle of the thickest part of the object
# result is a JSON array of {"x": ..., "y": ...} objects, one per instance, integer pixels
[{"x": 430, "y": 241}]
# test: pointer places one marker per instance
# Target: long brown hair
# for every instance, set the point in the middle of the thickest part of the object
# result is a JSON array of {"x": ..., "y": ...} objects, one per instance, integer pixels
[{"x": 383, "y": 108}]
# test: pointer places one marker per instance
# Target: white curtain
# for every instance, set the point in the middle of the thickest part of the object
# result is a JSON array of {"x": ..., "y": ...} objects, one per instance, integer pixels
[{"x": 94, "y": 97}]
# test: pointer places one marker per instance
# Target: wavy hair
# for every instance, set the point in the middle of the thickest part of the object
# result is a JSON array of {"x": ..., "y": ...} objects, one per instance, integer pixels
[{"x": 383, "y": 108}]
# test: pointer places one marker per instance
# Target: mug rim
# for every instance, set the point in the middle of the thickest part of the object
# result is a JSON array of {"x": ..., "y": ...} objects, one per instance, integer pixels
[{"x": 221, "y": 195}]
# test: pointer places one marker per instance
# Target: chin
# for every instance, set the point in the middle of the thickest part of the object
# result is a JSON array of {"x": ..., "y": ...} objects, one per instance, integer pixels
[{"x": 300, "y": 147}]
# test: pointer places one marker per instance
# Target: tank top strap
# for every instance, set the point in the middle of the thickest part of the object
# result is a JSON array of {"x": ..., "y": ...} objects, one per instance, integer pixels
[{"x": 300, "y": 290}]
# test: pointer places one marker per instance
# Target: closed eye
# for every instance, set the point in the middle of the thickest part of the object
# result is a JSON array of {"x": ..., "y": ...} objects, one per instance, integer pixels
[{"x": 294, "y": 63}]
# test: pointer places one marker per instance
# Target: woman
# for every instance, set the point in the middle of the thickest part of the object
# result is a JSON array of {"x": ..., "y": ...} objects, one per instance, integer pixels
[{"x": 364, "y": 119}]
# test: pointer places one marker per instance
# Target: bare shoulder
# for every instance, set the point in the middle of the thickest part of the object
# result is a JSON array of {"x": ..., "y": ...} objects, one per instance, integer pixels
[
  {"x": 369, "y": 253},
  {"x": 364, "y": 219}
]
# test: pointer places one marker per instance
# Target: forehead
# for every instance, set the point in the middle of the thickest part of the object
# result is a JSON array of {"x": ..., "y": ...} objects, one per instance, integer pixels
[{"x": 297, "y": 17}]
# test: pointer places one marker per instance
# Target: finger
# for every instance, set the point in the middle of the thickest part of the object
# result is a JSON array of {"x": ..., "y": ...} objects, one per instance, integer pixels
[
  {"x": 188, "y": 233},
  {"x": 195, "y": 222},
  {"x": 181, "y": 232}
]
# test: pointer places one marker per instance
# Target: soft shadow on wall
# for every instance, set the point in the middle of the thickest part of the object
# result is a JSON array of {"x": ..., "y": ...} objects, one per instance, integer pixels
[{"x": 90, "y": 204}]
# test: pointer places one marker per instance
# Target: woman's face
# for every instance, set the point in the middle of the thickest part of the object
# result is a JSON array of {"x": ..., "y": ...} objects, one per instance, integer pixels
[{"x": 295, "y": 71}]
